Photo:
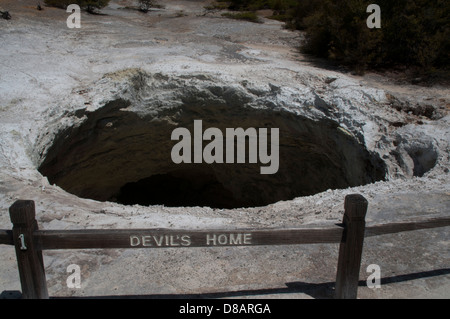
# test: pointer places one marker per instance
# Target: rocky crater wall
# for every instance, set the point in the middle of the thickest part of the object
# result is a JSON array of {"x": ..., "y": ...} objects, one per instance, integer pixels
[{"x": 121, "y": 150}]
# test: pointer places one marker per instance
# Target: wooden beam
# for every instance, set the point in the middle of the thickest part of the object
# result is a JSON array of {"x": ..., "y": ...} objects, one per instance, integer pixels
[
  {"x": 350, "y": 250},
  {"x": 376, "y": 230},
  {"x": 164, "y": 238},
  {"x": 55, "y": 239}
]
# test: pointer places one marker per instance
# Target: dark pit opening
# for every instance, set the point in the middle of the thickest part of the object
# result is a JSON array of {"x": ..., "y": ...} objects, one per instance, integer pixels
[
  {"x": 179, "y": 188},
  {"x": 118, "y": 155}
]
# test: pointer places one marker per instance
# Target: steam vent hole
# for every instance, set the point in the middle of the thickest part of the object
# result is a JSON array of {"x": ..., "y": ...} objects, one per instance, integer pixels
[{"x": 119, "y": 155}]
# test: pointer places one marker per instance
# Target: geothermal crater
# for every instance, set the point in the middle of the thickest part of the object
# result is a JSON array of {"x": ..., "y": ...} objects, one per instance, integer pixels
[
  {"x": 94, "y": 108},
  {"x": 122, "y": 150}
]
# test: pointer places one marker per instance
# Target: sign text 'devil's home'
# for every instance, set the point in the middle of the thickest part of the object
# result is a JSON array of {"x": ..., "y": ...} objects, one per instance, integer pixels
[{"x": 185, "y": 240}]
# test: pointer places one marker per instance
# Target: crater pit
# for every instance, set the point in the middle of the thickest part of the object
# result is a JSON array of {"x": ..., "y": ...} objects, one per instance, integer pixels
[{"x": 121, "y": 151}]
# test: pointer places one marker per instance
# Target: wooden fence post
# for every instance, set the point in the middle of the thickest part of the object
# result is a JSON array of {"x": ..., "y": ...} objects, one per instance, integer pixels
[
  {"x": 29, "y": 257},
  {"x": 350, "y": 250}
]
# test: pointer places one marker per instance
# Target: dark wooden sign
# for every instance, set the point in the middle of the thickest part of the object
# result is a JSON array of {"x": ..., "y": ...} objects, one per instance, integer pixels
[{"x": 165, "y": 238}]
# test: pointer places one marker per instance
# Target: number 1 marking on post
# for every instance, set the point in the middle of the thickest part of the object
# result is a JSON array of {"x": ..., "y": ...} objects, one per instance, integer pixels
[{"x": 22, "y": 242}]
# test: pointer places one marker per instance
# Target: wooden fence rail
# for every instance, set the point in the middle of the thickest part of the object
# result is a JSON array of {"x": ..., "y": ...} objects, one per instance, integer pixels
[{"x": 29, "y": 241}]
